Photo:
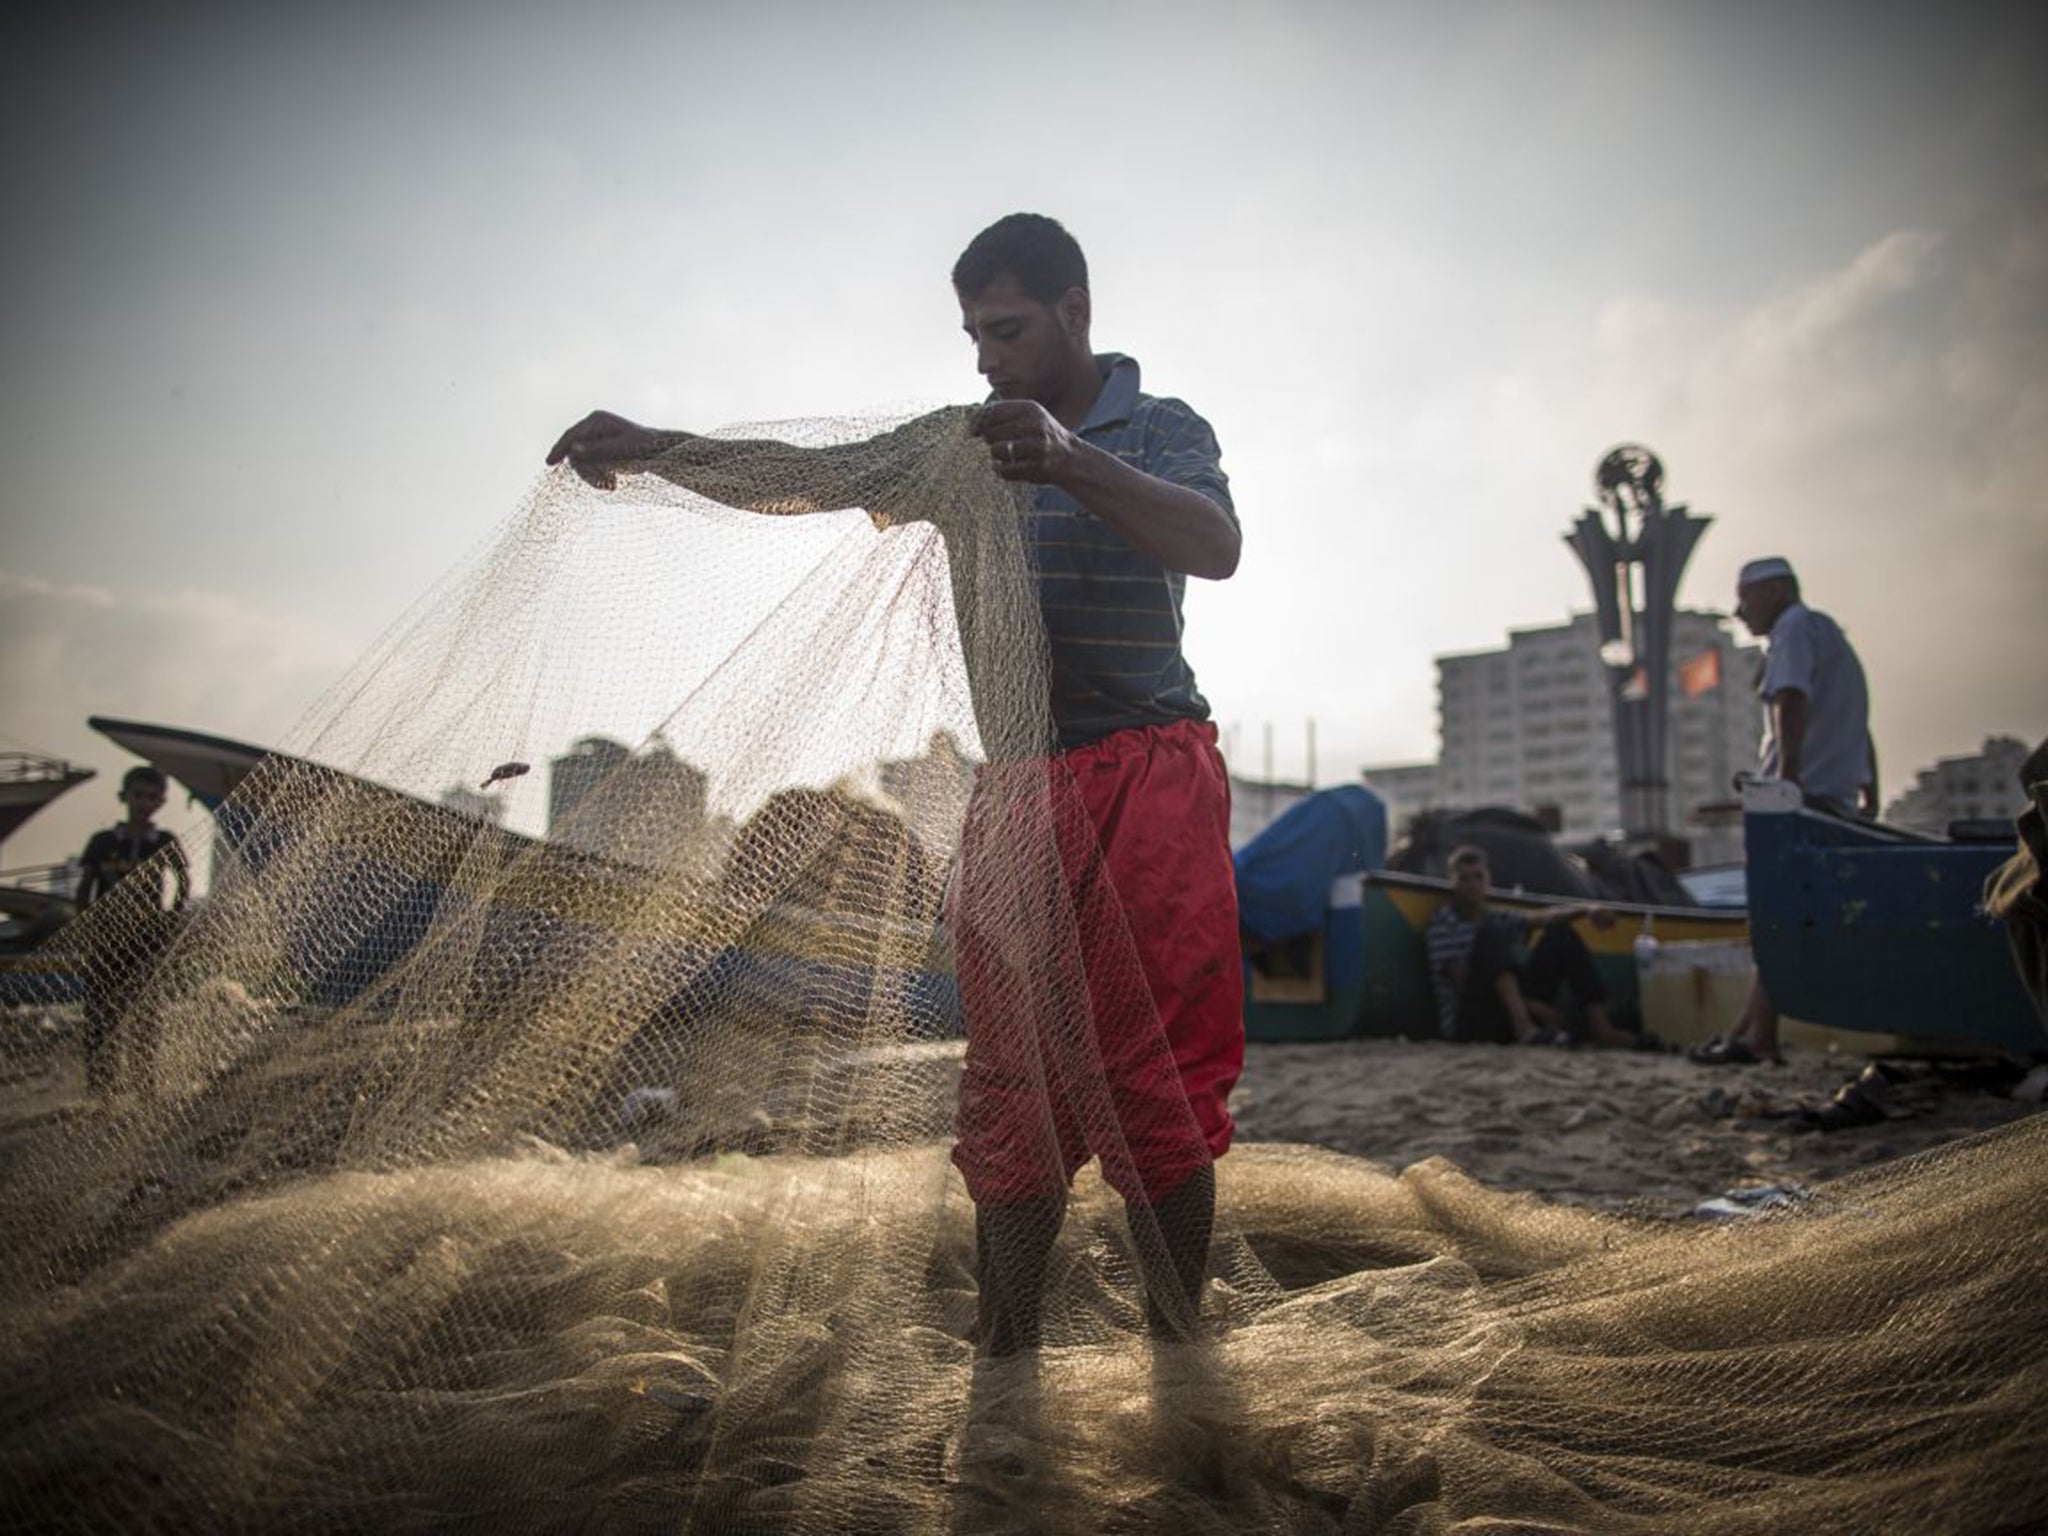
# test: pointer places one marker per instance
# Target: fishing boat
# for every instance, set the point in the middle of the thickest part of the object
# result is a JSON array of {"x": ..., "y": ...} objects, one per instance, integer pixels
[
  {"x": 1368, "y": 973},
  {"x": 1861, "y": 926},
  {"x": 1335, "y": 940},
  {"x": 35, "y": 902},
  {"x": 409, "y": 868},
  {"x": 28, "y": 782}
]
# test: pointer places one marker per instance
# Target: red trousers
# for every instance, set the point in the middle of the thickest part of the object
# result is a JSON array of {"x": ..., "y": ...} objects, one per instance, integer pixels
[{"x": 1094, "y": 927}]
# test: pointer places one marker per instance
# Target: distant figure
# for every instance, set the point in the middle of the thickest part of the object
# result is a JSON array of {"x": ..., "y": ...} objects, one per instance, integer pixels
[
  {"x": 118, "y": 877},
  {"x": 1817, "y": 735},
  {"x": 1489, "y": 987}
]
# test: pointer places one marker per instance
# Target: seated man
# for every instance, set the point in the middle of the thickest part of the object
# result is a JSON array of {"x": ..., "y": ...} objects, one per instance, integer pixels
[{"x": 1489, "y": 988}]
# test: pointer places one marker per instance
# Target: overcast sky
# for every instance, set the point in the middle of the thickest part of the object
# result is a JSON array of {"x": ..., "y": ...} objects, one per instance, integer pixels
[{"x": 296, "y": 297}]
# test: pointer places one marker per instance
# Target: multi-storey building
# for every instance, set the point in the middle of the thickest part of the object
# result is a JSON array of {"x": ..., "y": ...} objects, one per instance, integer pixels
[
  {"x": 643, "y": 807},
  {"x": 464, "y": 801},
  {"x": 930, "y": 791},
  {"x": 1532, "y": 726},
  {"x": 1982, "y": 786},
  {"x": 1406, "y": 788},
  {"x": 1256, "y": 804}
]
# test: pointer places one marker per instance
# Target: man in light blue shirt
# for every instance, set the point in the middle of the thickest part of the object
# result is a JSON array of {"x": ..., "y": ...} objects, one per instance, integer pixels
[
  {"x": 1813, "y": 691},
  {"x": 1818, "y": 736}
]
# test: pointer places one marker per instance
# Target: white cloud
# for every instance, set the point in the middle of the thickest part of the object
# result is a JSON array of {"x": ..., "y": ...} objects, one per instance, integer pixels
[
  {"x": 202, "y": 659},
  {"x": 1882, "y": 425}
]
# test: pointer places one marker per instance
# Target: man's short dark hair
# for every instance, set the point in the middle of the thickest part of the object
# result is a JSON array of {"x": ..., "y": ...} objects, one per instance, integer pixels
[
  {"x": 143, "y": 773},
  {"x": 1035, "y": 250},
  {"x": 1464, "y": 856}
]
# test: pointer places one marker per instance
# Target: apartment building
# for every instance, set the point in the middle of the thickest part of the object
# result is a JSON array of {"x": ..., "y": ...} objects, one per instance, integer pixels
[
  {"x": 1979, "y": 786},
  {"x": 1531, "y": 725}
]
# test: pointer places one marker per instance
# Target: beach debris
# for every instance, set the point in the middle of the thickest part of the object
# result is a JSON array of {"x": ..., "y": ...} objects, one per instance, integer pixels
[
  {"x": 647, "y": 1104},
  {"x": 677, "y": 1398},
  {"x": 506, "y": 771},
  {"x": 1738, "y": 1204},
  {"x": 1722, "y": 1102}
]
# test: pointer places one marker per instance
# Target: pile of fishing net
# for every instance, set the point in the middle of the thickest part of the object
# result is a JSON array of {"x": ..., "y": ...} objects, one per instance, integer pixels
[{"x": 576, "y": 1159}]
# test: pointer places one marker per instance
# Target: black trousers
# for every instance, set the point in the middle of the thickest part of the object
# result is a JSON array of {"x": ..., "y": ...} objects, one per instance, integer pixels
[
  {"x": 1559, "y": 958},
  {"x": 115, "y": 977},
  {"x": 1013, "y": 1245}
]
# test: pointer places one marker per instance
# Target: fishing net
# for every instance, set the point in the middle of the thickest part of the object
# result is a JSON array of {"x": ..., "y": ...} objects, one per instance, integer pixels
[{"x": 574, "y": 1154}]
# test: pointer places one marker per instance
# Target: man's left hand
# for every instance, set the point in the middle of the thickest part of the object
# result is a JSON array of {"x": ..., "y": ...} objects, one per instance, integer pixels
[{"x": 1026, "y": 443}]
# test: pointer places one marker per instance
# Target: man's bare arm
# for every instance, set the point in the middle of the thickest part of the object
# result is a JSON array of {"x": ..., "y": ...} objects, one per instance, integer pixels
[
  {"x": 1180, "y": 528},
  {"x": 1788, "y": 724},
  {"x": 1551, "y": 917},
  {"x": 181, "y": 875},
  {"x": 753, "y": 474}
]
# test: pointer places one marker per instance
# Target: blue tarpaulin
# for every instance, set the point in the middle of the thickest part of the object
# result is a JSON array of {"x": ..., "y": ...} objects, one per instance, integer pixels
[{"x": 1285, "y": 873}]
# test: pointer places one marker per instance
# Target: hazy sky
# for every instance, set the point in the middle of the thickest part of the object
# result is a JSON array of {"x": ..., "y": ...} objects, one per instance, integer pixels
[{"x": 295, "y": 298}]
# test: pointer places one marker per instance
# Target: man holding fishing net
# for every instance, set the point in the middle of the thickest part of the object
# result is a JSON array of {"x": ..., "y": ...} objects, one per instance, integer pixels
[{"x": 1119, "y": 1033}]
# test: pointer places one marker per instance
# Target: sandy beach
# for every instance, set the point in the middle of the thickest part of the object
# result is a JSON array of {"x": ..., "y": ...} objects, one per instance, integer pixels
[
  {"x": 1648, "y": 1133},
  {"x": 1635, "y": 1131},
  {"x": 1441, "y": 1358}
]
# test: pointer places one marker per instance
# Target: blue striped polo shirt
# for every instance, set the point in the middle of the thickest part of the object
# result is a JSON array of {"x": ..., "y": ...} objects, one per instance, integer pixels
[
  {"x": 1113, "y": 615},
  {"x": 1448, "y": 941}
]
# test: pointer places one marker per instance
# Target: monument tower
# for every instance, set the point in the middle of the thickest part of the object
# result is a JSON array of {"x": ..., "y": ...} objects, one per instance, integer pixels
[{"x": 1635, "y": 571}]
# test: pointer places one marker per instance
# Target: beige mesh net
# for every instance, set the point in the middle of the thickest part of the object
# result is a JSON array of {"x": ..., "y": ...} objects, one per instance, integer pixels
[{"x": 456, "y": 1176}]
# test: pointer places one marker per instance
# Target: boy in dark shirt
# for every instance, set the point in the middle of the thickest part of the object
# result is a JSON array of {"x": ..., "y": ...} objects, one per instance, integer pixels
[{"x": 120, "y": 876}]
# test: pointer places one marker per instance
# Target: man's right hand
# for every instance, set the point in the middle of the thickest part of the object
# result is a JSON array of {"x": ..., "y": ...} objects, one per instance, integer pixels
[{"x": 601, "y": 444}]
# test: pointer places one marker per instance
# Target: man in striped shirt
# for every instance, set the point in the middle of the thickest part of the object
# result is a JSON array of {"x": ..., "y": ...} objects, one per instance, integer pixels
[
  {"x": 1490, "y": 988},
  {"x": 1131, "y": 500}
]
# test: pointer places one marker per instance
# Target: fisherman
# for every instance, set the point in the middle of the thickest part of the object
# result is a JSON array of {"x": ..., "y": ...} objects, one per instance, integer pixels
[
  {"x": 121, "y": 878},
  {"x": 1130, "y": 500},
  {"x": 1817, "y": 735},
  {"x": 1497, "y": 974}
]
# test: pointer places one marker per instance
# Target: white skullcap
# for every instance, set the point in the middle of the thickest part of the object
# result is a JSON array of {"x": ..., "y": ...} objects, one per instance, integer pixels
[{"x": 1763, "y": 570}]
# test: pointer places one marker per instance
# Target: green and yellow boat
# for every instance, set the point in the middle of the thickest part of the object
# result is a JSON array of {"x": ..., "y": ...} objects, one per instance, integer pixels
[{"x": 1366, "y": 973}]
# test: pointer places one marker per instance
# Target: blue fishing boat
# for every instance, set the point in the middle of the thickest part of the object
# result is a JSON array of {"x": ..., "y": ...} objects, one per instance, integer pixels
[
  {"x": 1301, "y": 896},
  {"x": 397, "y": 872},
  {"x": 1861, "y": 926}
]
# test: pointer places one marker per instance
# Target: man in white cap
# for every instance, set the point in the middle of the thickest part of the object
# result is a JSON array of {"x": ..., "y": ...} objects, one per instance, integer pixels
[
  {"x": 1813, "y": 691},
  {"x": 1817, "y": 734}
]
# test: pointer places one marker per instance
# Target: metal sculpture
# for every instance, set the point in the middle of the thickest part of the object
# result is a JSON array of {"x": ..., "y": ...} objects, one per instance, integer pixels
[{"x": 1635, "y": 571}]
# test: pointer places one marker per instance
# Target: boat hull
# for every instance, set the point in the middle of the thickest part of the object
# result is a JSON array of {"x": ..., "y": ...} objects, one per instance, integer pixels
[
  {"x": 1376, "y": 972},
  {"x": 1863, "y": 927}
]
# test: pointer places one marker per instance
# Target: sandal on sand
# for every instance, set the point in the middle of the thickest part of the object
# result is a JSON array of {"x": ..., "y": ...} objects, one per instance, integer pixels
[
  {"x": 1850, "y": 1107},
  {"x": 1551, "y": 1035},
  {"x": 1723, "y": 1051}
]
